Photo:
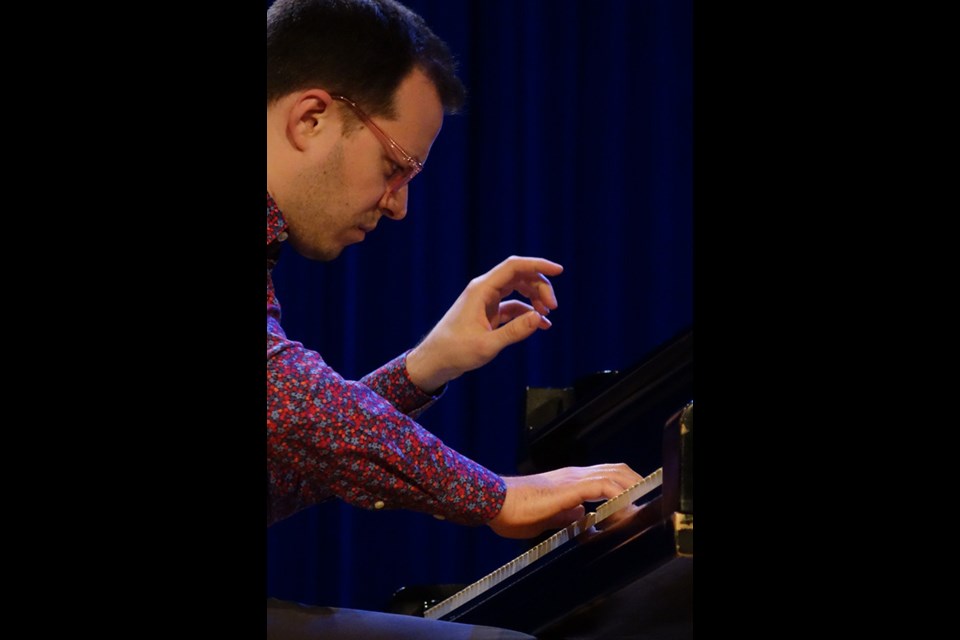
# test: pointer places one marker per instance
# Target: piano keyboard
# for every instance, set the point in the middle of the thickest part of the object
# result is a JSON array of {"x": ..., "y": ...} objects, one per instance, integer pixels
[{"x": 519, "y": 563}]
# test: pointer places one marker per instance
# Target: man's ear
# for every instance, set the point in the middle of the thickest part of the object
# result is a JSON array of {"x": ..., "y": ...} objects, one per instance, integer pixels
[{"x": 308, "y": 116}]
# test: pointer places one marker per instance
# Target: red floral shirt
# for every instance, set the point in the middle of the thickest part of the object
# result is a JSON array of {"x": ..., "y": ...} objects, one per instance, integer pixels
[{"x": 327, "y": 436}]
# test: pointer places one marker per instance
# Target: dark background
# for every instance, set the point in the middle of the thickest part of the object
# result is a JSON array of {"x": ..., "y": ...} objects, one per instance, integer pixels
[{"x": 576, "y": 145}]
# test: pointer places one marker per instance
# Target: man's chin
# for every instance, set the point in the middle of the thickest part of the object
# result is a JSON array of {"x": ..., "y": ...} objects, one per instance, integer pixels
[{"x": 322, "y": 254}]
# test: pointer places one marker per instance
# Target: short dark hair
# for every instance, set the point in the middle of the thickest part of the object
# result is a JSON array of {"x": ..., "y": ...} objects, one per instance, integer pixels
[{"x": 362, "y": 49}]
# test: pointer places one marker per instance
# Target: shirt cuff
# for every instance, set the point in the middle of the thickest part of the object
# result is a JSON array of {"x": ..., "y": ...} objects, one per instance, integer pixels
[{"x": 392, "y": 382}]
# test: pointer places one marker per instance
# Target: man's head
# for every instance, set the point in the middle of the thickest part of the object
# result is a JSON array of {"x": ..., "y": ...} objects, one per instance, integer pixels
[{"x": 356, "y": 92}]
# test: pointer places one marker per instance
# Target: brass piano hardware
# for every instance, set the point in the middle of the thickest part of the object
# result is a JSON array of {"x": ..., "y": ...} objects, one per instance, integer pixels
[{"x": 683, "y": 533}]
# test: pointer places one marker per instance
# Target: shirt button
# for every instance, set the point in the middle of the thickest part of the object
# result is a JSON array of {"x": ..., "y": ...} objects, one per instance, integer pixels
[
  {"x": 282, "y": 236},
  {"x": 378, "y": 504},
  {"x": 439, "y": 517}
]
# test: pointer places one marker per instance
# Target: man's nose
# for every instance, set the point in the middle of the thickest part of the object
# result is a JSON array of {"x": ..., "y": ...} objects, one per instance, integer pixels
[{"x": 394, "y": 204}]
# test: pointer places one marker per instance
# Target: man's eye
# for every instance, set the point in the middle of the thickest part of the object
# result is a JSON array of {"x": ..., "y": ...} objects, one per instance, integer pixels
[{"x": 393, "y": 169}]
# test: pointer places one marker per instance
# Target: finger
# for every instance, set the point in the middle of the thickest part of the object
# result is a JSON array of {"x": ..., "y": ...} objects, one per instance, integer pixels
[
  {"x": 597, "y": 488},
  {"x": 520, "y": 328},
  {"x": 506, "y": 272},
  {"x": 618, "y": 472},
  {"x": 511, "y": 309},
  {"x": 538, "y": 290}
]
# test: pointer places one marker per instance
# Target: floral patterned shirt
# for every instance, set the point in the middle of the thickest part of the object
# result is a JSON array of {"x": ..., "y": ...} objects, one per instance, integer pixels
[{"x": 357, "y": 440}]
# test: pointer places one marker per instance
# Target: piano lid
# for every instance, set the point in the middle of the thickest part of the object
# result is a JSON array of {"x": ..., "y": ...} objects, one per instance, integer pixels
[{"x": 610, "y": 416}]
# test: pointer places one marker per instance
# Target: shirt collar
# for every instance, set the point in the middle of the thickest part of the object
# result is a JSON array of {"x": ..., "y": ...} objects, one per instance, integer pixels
[
  {"x": 276, "y": 231},
  {"x": 276, "y": 225}
]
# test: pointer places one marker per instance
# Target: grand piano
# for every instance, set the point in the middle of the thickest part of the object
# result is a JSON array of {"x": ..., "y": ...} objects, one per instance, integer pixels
[{"x": 633, "y": 578}]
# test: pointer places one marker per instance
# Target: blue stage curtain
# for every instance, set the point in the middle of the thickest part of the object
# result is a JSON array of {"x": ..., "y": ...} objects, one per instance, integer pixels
[{"x": 576, "y": 145}]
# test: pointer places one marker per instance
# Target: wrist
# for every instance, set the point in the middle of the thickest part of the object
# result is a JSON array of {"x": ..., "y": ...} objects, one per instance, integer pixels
[{"x": 423, "y": 373}]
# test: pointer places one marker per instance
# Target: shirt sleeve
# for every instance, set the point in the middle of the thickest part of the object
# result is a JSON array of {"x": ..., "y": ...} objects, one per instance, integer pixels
[
  {"x": 392, "y": 382},
  {"x": 330, "y": 436}
]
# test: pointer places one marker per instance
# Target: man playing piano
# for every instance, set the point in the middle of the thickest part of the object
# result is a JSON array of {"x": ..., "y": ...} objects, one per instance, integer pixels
[{"x": 356, "y": 94}]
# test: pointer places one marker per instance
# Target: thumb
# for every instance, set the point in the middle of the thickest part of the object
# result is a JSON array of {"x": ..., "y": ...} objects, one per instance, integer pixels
[
  {"x": 565, "y": 518},
  {"x": 520, "y": 328}
]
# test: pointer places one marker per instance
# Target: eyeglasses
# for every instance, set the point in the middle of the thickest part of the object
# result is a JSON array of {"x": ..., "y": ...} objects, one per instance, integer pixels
[{"x": 408, "y": 165}]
